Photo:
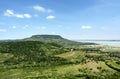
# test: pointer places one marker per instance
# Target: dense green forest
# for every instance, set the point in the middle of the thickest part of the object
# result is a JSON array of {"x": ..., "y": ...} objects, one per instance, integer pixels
[
  {"x": 35, "y": 59},
  {"x": 29, "y": 52}
]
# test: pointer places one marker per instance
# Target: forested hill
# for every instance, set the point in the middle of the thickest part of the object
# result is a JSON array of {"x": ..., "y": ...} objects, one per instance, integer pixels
[
  {"x": 29, "y": 52},
  {"x": 56, "y": 39},
  {"x": 25, "y": 47}
]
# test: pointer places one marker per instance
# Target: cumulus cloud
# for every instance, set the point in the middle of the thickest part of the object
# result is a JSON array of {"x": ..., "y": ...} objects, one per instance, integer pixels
[
  {"x": 39, "y": 8},
  {"x": 19, "y": 15},
  {"x": 50, "y": 17},
  {"x": 27, "y": 15},
  {"x": 10, "y": 13},
  {"x": 2, "y": 30},
  {"x": 42, "y": 9},
  {"x": 86, "y": 27}
]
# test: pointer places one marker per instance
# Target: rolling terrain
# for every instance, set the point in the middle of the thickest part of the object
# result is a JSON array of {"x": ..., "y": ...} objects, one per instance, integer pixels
[
  {"x": 53, "y": 57},
  {"x": 57, "y": 39}
]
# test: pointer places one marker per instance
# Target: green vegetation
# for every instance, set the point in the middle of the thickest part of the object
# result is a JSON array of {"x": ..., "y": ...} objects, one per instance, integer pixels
[
  {"x": 51, "y": 60},
  {"x": 57, "y": 39},
  {"x": 114, "y": 64}
]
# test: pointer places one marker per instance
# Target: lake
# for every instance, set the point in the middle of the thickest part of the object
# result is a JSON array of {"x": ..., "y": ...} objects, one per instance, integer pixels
[{"x": 115, "y": 43}]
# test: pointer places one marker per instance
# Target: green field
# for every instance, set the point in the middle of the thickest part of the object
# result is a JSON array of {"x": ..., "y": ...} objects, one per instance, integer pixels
[{"x": 40, "y": 60}]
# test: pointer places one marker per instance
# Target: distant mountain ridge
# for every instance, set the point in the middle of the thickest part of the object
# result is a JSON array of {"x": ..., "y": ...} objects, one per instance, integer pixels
[
  {"x": 53, "y": 39},
  {"x": 47, "y": 36},
  {"x": 56, "y": 39}
]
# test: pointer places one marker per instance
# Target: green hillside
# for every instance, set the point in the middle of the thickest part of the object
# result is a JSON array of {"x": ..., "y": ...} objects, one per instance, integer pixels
[
  {"x": 25, "y": 53},
  {"x": 57, "y": 39},
  {"x": 45, "y": 57}
]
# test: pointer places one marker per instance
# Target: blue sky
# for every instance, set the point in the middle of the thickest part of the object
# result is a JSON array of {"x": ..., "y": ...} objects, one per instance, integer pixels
[{"x": 72, "y": 19}]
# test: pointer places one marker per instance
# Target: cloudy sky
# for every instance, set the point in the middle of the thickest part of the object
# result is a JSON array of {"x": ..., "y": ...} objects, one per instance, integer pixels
[{"x": 72, "y": 19}]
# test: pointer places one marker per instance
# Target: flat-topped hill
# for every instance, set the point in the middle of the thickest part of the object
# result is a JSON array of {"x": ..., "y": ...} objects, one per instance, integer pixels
[
  {"x": 56, "y": 39},
  {"x": 47, "y": 36}
]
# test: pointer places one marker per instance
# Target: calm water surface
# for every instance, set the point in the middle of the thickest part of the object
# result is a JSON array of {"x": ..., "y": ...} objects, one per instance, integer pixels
[{"x": 110, "y": 43}]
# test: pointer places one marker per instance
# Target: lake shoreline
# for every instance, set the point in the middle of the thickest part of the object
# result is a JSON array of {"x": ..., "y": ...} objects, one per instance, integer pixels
[{"x": 113, "y": 43}]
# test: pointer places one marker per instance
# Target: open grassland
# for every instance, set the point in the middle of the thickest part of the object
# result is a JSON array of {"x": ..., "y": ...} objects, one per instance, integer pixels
[
  {"x": 114, "y": 64},
  {"x": 52, "y": 61},
  {"x": 69, "y": 71}
]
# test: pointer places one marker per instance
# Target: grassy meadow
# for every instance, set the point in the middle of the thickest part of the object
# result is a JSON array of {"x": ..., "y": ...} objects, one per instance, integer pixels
[{"x": 42, "y": 60}]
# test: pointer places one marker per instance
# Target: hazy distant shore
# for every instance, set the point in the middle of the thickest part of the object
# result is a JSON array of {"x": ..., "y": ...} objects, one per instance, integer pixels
[{"x": 115, "y": 43}]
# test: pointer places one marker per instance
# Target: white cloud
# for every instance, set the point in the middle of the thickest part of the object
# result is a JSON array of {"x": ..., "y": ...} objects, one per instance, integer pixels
[
  {"x": 86, "y": 27},
  {"x": 14, "y": 27},
  {"x": 8, "y": 13},
  {"x": 39, "y": 8},
  {"x": 2, "y": 30},
  {"x": 27, "y": 16},
  {"x": 42, "y": 9},
  {"x": 19, "y": 15},
  {"x": 50, "y": 17},
  {"x": 12, "y": 14}
]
